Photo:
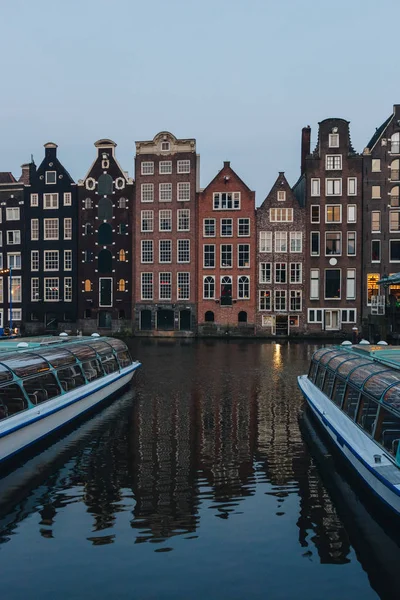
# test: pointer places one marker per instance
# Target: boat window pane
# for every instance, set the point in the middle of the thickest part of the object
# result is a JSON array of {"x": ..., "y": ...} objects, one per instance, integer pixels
[
  {"x": 92, "y": 369},
  {"x": 57, "y": 356},
  {"x": 336, "y": 361},
  {"x": 118, "y": 345},
  {"x": 109, "y": 363},
  {"x": 317, "y": 355},
  {"x": 349, "y": 365},
  {"x": 338, "y": 391},
  {"x": 313, "y": 371},
  {"x": 377, "y": 384},
  {"x": 70, "y": 378},
  {"x": 351, "y": 398},
  {"x": 362, "y": 373},
  {"x": 12, "y": 400},
  {"x": 389, "y": 431},
  {"x": 42, "y": 388},
  {"x": 328, "y": 355},
  {"x": 82, "y": 351},
  {"x": 320, "y": 377},
  {"x": 328, "y": 383},
  {"x": 5, "y": 374},
  {"x": 392, "y": 397},
  {"x": 124, "y": 359},
  {"x": 99, "y": 346},
  {"x": 26, "y": 364},
  {"x": 367, "y": 414}
]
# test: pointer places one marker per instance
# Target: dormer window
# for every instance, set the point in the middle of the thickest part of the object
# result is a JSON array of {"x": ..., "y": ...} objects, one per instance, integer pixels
[
  {"x": 51, "y": 177},
  {"x": 165, "y": 146},
  {"x": 334, "y": 138},
  {"x": 281, "y": 196}
]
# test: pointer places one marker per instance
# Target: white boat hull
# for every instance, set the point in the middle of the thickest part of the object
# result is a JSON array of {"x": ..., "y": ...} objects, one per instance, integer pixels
[
  {"x": 355, "y": 445},
  {"x": 28, "y": 427}
]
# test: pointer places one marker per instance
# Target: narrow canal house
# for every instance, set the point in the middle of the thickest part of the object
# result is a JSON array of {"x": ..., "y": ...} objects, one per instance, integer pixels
[
  {"x": 49, "y": 287},
  {"x": 166, "y": 171},
  {"x": 280, "y": 261},
  {"x": 226, "y": 256},
  {"x": 331, "y": 188},
  {"x": 381, "y": 222},
  {"x": 105, "y": 263}
]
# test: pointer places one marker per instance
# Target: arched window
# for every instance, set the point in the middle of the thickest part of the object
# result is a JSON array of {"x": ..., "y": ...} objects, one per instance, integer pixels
[
  {"x": 226, "y": 291},
  {"x": 122, "y": 256},
  {"x": 88, "y": 203},
  {"x": 395, "y": 143},
  {"x": 242, "y": 316},
  {"x": 88, "y": 285},
  {"x": 209, "y": 287},
  {"x": 105, "y": 234},
  {"x": 105, "y": 185},
  {"x": 395, "y": 170},
  {"x": 122, "y": 203},
  {"x": 244, "y": 287},
  {"x": 87, "y": 229},
  {"x": 121, "y": 285},
  {"x": 209, "y": 316},
  {"x": 394, "y": 196},
  {"x": 105, "y": 261},
  {"x": 105, "y": 211}
]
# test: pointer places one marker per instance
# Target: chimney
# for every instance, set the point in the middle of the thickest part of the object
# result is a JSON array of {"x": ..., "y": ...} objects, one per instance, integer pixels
[
  {"x": 28, "y": 171},
  {"x": 50, "y": 151},
  {"x": 305, "y": 146},
  {"x": 226, "y": 164}
]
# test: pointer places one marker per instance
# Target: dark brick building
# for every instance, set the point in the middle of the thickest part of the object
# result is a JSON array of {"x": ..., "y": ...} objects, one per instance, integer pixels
[
  {"x": 105, "y": 263},
  {"x": 165, "y": 242},
  {"x": 281, "y": 248},
  {"x": 331, "y": 188},
  {"x": 226, "y": 255}
]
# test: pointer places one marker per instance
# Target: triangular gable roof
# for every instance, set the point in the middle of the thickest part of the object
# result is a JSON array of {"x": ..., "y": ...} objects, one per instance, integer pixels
[
  {"x": 227, "y": 165},
  {"x": 106, "y": 143},
  {"x": 7, "y": 177},
  {"x": 281, "y": 177},
  {"x": 379, "y": 132}
]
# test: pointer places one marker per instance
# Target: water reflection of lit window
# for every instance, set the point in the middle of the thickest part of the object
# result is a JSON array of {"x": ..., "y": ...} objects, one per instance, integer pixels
[{"x": 277, "y": 357}]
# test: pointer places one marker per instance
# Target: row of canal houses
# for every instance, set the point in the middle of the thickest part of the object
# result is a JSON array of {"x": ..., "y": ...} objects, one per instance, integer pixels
[{"x": 156, "y": 254}]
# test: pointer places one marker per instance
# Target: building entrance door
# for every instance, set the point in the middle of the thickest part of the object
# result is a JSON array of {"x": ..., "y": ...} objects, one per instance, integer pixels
[
  {"x": 145, "y": 320},
  {"x": 184, "y": 320},
  {"x": 281, "y": 324},
  {"x": 332, "y": 319},
  {"x": 165, "y": 319}
]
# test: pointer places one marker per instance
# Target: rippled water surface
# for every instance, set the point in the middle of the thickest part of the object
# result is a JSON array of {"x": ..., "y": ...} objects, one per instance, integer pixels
[{"x": 199, "y": 482}]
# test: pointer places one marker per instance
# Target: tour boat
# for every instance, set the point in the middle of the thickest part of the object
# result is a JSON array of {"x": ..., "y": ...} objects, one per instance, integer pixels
[
  {"x": 46, "y": 383},
  {"x": 354, "y": 392}
]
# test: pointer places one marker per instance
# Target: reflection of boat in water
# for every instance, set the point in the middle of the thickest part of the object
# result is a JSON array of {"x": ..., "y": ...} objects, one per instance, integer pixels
[
  {"x": 355, "y": 395},
  {"x": 372, "y": 533},
  {"x": 46, "y": 384}
]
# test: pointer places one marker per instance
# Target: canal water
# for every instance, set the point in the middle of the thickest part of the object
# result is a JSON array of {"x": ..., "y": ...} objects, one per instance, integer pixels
[{"x": 205, "y": 480}]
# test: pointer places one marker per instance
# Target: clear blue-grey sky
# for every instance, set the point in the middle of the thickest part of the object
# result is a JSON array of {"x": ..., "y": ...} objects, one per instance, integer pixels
[{"x": 241, "y": 76}]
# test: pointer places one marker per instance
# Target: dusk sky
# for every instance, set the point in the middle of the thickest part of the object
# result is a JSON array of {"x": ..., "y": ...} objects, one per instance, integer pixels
[{"x": 242, "y": 77}]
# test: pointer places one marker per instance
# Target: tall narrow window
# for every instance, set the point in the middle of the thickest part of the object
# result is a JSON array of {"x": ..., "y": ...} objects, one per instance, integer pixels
[
  {"x": 183, "y": 286},
  {"x": 265, "y": 241},
  {"x": 375, "y": 221},
  {"x": 88, "y": 285},
  {"x": 122, "y": 256},
  {"x": 351, "y": 284},
  {"x": 121, "y": 285},
  {"x": 314, "y": 284},
  {"x": 375, "y": 251},
  {"x": 68, "y": 229},
  {"x": 351, "y": 243},
  {"x": 315, "y": 243},
  {"x": 244, "y": 287},
  {"x": 209, "y": 287},
  {"x": 34, "y": 229}
]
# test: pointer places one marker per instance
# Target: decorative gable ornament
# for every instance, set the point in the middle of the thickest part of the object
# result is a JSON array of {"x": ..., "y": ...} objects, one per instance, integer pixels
[
  {"x": 90, "y": 183},
  {"x": 120, "y": 183}
]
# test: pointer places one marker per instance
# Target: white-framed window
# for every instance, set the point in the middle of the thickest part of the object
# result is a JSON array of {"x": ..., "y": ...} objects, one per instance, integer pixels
[
  {"x": 123, "y": 202},
  {"x": 146, "y": 286},
  {"x": 376, "y": 192},
  {"x": 16, "y": 314},
  {"x": 183, "y": 251},
  {"x": 352, "y": 243},
  {"x": 334, "y": 140},
  {"x": 165, "y": 192},
  {"x": 376, "y": 165},
  {"x": 352, "y": 186},
  {"x": 394, "y": 251},
  {"x": 280, "y": 300},
  {"x": 395, "y": 143},
  {"x": 375, "y": 251},
  {"x": 281, "y": 215},
  {"x": 183, "y": 188},
  {"x": 333, "y": 213},
  {"x": 50, "y": 229},
  {"x": 68, "y": 228},
  {"x": 88, "y": 203},
  {"x": 314, "y": 284},
  {"x": 209, "y": 256},
  {"x": 243, "y": 255},
  {"x": 165, "y": 146},
  {"x": 226, "y": 227},
  {"x": 209, "y": 287},
  {"x": 1, "y": 261},
  {"x": 50, "y": 201},
  {"x": 165, "y": 286},
  {"x": 165, "y": 251},
  {"x": 265, "y": 272},
  {"x": 296, "y": 272},
  {"x": 183, "y": 286},
  {"x": 16, "y": 291},
  {"x": 165, "y": 220},
  {"x": 183, "y": 166},
  {"x": 265, "y": 241},
  {"x": 296, "y": 241},
  {"x": 34, "y": 260},
  {"x": 226, "y": 201},
  {"x": 51, "y": 177},
  {"x": 295, "y": 300},
  {"x": 351, "y": 284},
  {"x": 105, "y": 291},
  {"x": 244, "y": 287},
  {"x": 314, "y": 315},
  {"x": 280, "y": 241},
  {"x": 13, "y": 237},
  {"x": 51, "y": 260},
  {"x": 333, "y": 187},
  {"x": 376, "y": 221},
  {"x": 67, "y": 260},
  {"x": 243, "y": 227},
  {"x": 264, "y": 300},
  {"x": 147, "y": 168},
  {"x": 34, "y": 199},
  {"x": 13, "y": 214},
  {"x": 394, "y": 221},
  {"x": 280, "y": 272},
  {"x": 165, "y": 167},
  {"x": 333, "y": 284},
  {"x": 14, "y": 260},
  {"x": 1, "y": 238},
  {"x": 68, "y": 289},
  {"x": 184, "y": 219},
  {"x": 349, "y": 315},
  {"x": 147, "y": 192},
  {"x": 314, "y": 243},
  {"x": 209, "y": 227},
  {"x": 333, "y": 162},
  {"x": 351, "y": 213},
  {"x": 333, "y": 243},
  {"x": 147, "y": 220},
  {"x": 35, "y": 289},
  {"x": 67, "y": 199},
  {"x": 315, "y": 187},
  {"x": 315, "y": 213},
  {"x": 281, "y": 196},
  {"x": 226, "y": 255},
  {"x": 147, "y": 251},
  {"x": 51, "y": 289}
]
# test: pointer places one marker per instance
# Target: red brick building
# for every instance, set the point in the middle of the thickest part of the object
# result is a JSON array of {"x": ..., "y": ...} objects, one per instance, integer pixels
[
  {"x": 281, "y": 248},
  {"x": 165, "y": 242},
  {"x": 226, "y": 255}
]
